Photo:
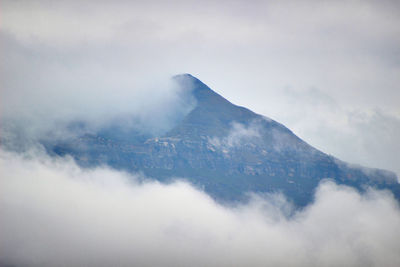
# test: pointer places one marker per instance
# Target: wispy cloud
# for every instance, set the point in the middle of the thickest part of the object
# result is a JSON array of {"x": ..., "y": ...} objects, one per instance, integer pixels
[{"x": 238, "y": 135}]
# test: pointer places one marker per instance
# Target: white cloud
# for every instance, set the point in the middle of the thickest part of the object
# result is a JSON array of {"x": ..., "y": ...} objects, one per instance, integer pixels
[
  {"x": 52, "y": 213},
  {"x": 95, "y": 59},
  {"x": 367, "y": 136},
  {"x": 45, "y": 89},
  {"x": 238, "y": 134}
]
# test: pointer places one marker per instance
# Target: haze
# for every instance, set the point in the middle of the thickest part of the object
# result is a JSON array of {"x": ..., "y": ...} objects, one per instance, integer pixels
[{"x": 328, "y": 70}]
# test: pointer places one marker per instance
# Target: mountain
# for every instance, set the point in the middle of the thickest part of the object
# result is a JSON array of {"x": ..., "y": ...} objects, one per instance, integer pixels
[{"x": 224, "y": 149}]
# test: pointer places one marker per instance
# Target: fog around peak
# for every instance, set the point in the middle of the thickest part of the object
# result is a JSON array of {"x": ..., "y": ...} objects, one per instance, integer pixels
[{"x": 327, "y": 71}]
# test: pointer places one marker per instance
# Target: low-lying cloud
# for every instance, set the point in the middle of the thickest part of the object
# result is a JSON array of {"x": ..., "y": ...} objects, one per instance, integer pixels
[{"x": 53, "y": 213}]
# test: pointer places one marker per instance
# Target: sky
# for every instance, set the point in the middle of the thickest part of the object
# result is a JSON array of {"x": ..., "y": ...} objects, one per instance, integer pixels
[{"x": 328, "y": 70}]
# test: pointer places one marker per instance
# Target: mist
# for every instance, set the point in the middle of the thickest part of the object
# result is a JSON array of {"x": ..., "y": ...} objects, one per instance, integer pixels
[
  {"x": 53, "y": 213},
  {"x": 237, "y": 134},
  {"x": 315, "y": 67},
  {"x": 329, "y": 71},
  {"x": 55, "y": 90}
]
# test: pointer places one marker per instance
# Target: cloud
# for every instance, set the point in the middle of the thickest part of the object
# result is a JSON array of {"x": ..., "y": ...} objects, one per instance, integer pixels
[
  {"x": 52, "y": 213},
  {"x": 44, "y": 89},
  {"x": 366, "y": 136},
  {"x": 238, "y": 135},
  {"x": 96, "y": 59}
]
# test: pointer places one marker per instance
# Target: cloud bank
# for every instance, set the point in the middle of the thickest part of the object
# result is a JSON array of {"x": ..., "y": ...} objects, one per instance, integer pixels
[{"x": 52, "y": 213}]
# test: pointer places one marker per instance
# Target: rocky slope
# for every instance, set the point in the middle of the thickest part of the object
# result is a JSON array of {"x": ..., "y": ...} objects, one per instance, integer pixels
[{"x": 225, "y": 149}]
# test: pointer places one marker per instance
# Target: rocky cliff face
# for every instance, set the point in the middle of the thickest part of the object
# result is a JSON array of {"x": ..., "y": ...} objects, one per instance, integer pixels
[{"x": 227, "y": 150}]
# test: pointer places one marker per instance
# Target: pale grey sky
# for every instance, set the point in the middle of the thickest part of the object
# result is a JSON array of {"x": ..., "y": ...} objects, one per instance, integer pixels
[{"x": 328, "y": 70}]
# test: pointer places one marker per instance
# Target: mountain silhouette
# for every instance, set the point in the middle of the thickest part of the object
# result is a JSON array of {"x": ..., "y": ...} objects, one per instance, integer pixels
[{"x": 226, "y": 150}]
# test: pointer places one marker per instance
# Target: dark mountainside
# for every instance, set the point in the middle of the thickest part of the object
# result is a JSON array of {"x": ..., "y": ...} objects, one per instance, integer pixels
[{"x": 224, "y": 149}]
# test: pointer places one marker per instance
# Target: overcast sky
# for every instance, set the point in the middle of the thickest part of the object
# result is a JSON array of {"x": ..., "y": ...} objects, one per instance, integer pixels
[{"x": 328, "y": 70}]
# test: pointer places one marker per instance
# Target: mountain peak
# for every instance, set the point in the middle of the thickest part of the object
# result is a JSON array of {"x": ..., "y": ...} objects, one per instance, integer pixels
[
  {"x": 227, "y": 149},
  {"x": 203, "y": 94},
  {"x": 212, "y": 115},
  {"x": 185, "y": 77},
  {"x": 189, "y": 82}
]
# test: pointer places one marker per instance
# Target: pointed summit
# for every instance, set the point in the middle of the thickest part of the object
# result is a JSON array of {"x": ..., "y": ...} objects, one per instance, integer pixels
[
  {"x": 186, "y": 78},
  {"x": 226, "y": 149},
  {"x": 213, "y": 113},
  {"x": 200, "y": 91}
]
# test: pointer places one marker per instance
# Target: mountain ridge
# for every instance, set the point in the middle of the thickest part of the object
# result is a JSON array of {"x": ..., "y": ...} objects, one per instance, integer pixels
[{"x": 226, "y": 149}]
